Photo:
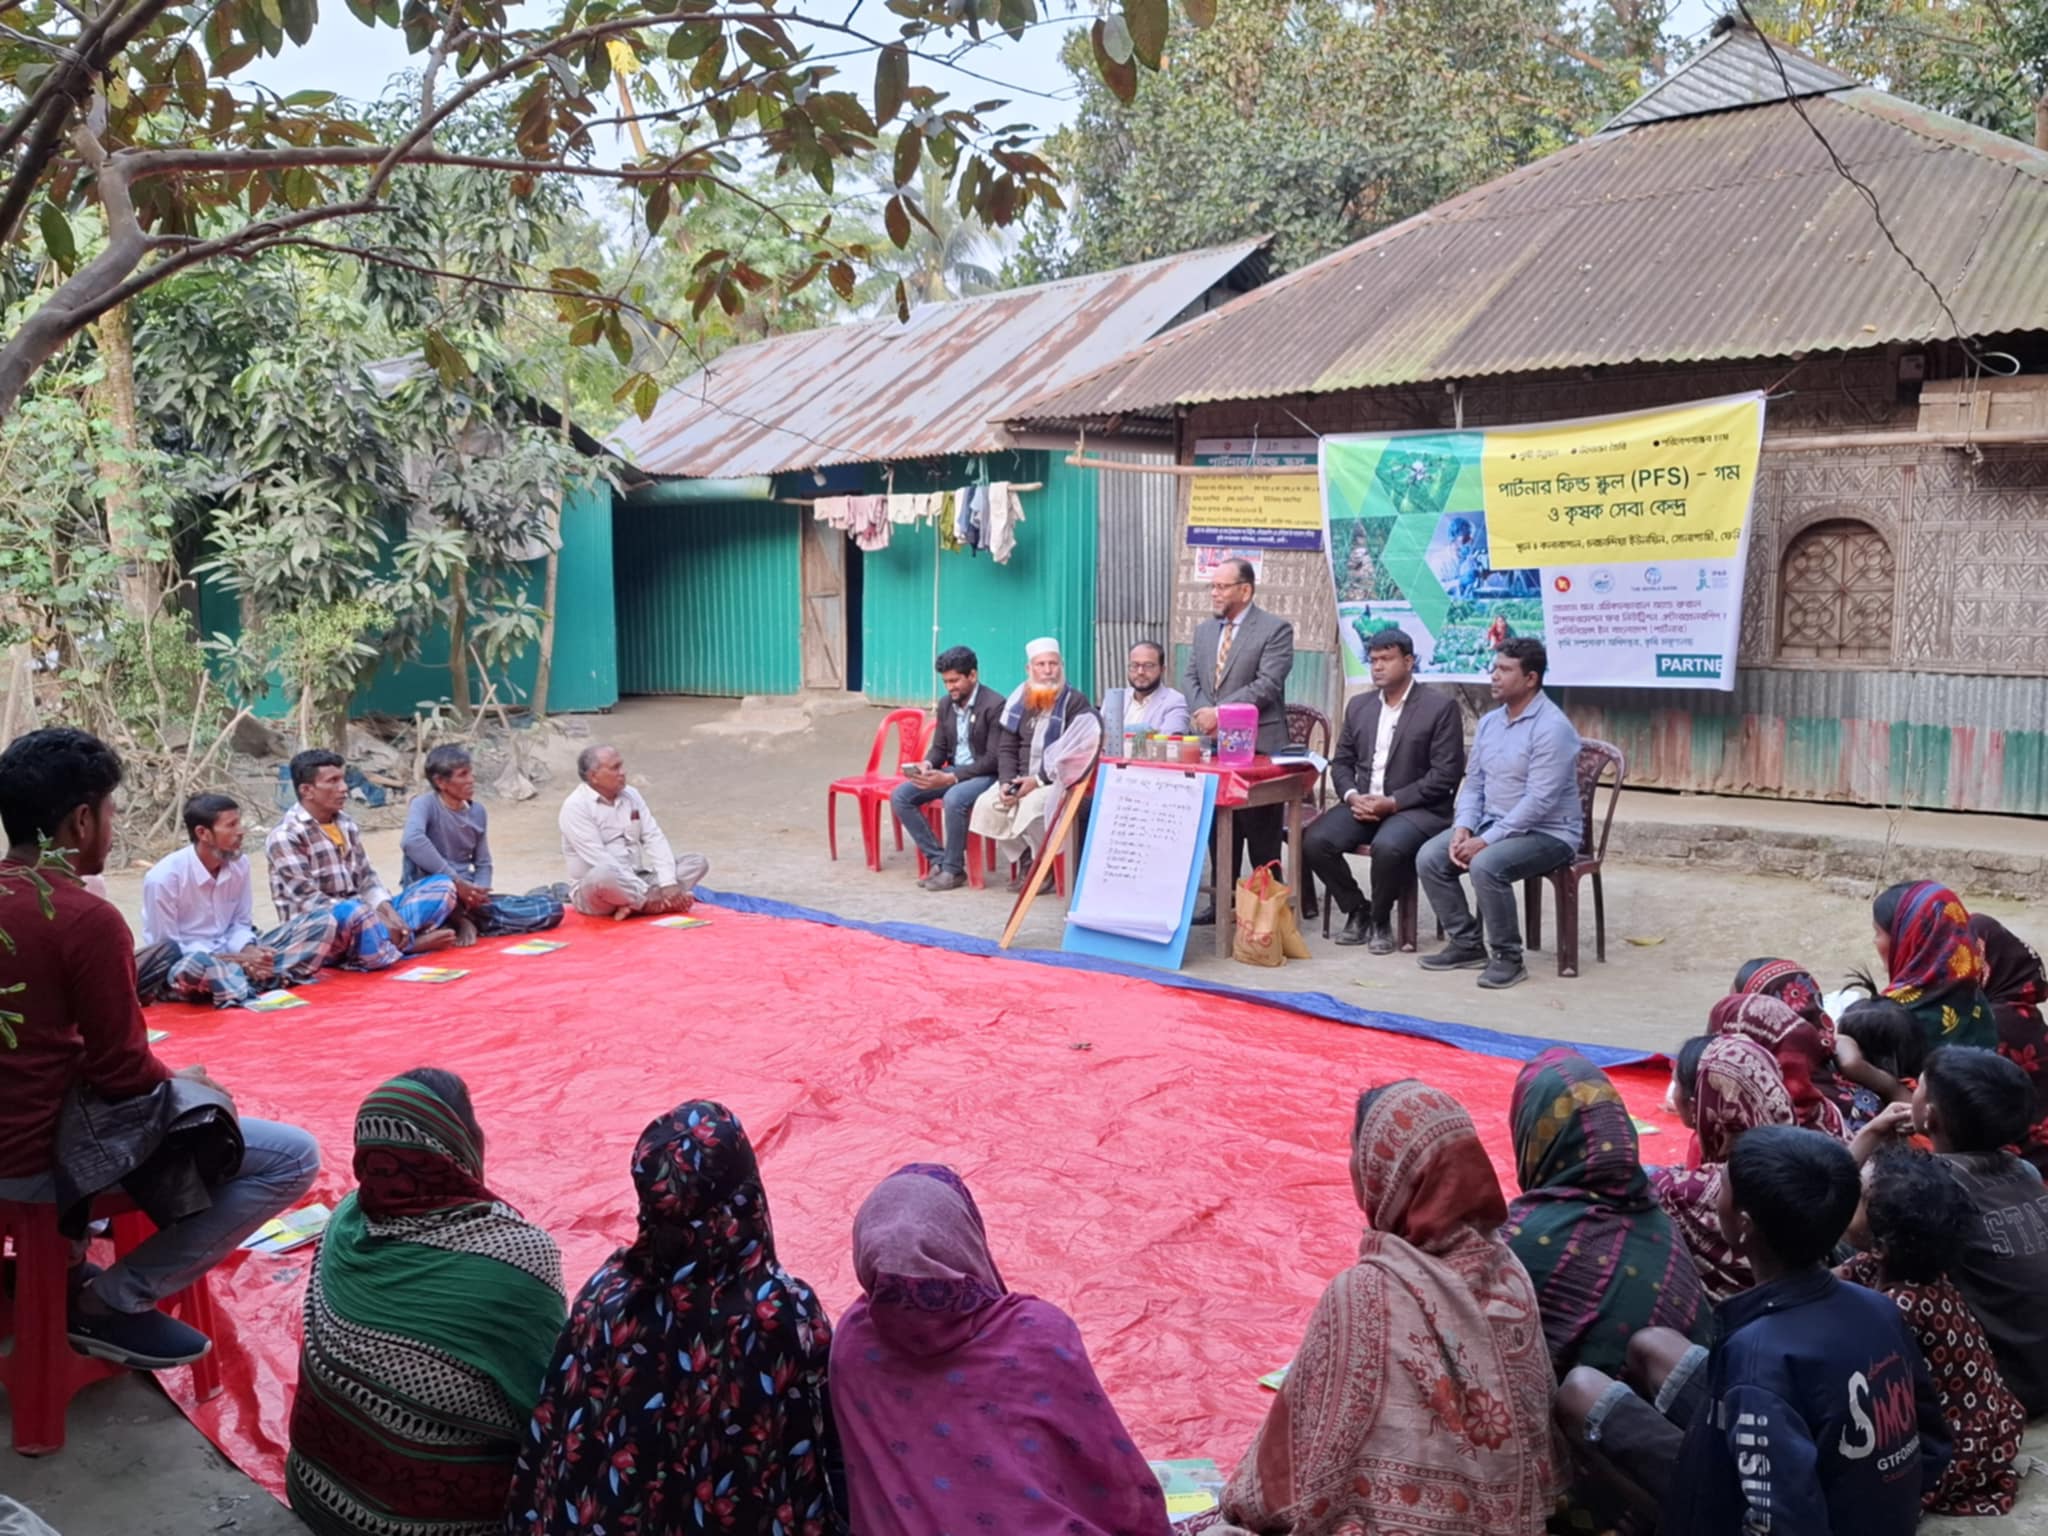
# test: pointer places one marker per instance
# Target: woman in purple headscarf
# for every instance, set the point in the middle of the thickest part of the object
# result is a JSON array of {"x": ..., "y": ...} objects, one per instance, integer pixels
[{"x": 962, "y": 1405}]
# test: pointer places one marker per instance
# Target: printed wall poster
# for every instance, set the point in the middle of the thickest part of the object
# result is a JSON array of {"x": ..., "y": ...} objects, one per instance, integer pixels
[
  {"x": 1618, "y": 541},
  {"x": 1256, "y": 511}
]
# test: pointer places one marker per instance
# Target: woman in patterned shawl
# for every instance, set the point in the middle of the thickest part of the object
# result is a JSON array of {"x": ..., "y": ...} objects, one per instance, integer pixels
[
  {"x": 429, "y": 1315},
  {"x": 1739, "y": 1089},
  {"x": 1804, "y": 1061},
  {"x": 1599, "y": 1249},
  {"x": 1794, "y": 986},
  {"x": 687, "y": 1393},
  {"x": 1922, "y": 935},
  {"x": 964, "y": 1405},
  {"x": 2016, "y": 986},
  {"x": 1420, "y": 1396}
]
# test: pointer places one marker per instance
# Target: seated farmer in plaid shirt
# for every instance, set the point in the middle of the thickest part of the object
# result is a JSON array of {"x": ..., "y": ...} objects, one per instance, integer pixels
[
  {"x": 317, "y": 863},
  {"x": 200, "y": 943}
]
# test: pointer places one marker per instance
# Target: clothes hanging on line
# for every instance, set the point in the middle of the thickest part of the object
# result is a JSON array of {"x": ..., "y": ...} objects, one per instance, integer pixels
[
  {"x": 833, "y": 511},
  {"x": 868, "y": 521},
  {"x": 949, "y": 532},
  {"x": 1005, "y": 512}
]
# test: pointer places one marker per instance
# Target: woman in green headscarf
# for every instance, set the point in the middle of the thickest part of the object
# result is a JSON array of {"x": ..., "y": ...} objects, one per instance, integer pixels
[
  {"x": 429, "y": 1318},
  {"x": 1602, "y": 1254}
]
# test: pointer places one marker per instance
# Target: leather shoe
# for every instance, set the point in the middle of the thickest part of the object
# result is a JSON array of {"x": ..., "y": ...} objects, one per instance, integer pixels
[
  {"x": 1452, "y": 958},
  {"x": 1357, "y": 928},
  {"x": 1206, "y": 918},
  {"x": 1382, "y": 941}
]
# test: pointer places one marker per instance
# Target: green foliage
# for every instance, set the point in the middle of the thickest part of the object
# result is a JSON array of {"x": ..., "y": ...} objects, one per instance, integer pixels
[
  {"x": 142, "y": 109},
  {"x": 321, "y": 650},
  {"x": 1985, "y": 61},
  {"x": 1319, "y": 121}
]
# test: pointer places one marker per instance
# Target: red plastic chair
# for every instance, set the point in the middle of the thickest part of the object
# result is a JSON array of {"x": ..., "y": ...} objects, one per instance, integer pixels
[
  {"x": 871, "y": 789},
  {"x": 981, "y": 851},
  {"x": 43, "y": 1372}
]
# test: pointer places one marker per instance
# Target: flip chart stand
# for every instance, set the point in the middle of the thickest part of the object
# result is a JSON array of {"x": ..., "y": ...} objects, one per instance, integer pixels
[{"x": 1109, "y": 834}]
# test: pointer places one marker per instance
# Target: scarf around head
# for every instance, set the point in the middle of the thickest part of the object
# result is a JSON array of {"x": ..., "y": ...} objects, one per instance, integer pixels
[
  {"x": 1422, "y": 1381},
  {"x": 1936, "y": 969},
  {"x": 1739, "y": 1088},
  {"x": 1804, "y": 1062},
  {"x": 1599, "y": 1250},
  {"x": 422, "y": 1249},
  {"x": 687, "y": 1391},
  {"x": 963, "y": 1405},
  {"x": 2015, "y": 985}
]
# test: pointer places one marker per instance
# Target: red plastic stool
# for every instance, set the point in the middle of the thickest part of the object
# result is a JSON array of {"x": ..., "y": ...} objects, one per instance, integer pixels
[{"x": 42, "y": 1373}]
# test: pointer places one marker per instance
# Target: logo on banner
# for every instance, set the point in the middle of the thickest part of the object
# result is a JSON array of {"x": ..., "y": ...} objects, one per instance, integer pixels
[
  {"x": 1603, "y": 581},
  {"x": 1563, "y": 583},
  {"x": 1689, "y": 666}
]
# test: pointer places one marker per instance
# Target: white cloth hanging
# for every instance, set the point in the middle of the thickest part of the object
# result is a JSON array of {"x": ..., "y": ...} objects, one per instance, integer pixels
[{"x": 1005, "y": 512}]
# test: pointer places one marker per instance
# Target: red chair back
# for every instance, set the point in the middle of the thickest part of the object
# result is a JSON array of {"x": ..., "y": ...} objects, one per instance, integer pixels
[{"x": 909, "y": 726}]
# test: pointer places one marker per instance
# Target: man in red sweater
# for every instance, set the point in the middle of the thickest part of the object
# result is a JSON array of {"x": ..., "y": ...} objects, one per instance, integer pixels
[{"x": 68, "y": 1014}]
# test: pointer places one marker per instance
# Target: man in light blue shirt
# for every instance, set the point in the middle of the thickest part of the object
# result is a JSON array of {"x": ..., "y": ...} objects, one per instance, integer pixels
[{"x": 1518, "y": 815}]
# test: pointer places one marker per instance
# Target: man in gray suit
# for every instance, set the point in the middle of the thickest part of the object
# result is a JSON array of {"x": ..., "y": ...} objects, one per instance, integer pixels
[{"x": 1242, "y": 656}]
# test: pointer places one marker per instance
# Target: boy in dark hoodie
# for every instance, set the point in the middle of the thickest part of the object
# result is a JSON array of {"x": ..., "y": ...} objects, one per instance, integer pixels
[
  {"x": 1813, "y": 1416},
  {"x": 1974, "y": 1104}
]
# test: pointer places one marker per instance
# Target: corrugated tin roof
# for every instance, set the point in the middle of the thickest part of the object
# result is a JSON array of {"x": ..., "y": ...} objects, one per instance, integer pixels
[
  {"x": 877, "y": 390},
  {"x": 1717, "y": 237},
  {"x": 1734, "y": 70}
]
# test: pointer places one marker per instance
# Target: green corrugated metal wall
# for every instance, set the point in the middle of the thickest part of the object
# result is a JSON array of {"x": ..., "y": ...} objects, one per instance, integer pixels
[
  {"x": 1046, "y": 588},
  {"x": 710, "y": 598},
  {"x": 586, "y": 674}
]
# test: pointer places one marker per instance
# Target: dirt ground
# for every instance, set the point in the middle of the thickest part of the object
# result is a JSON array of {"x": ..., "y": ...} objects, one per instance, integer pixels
[{"x": 744, "y": 785}]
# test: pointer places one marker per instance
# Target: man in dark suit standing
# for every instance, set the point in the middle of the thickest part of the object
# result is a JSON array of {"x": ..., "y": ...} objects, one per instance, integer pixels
[
  {"x": 1242, "y": 656},
  {"x": 1396, "y": 770}
]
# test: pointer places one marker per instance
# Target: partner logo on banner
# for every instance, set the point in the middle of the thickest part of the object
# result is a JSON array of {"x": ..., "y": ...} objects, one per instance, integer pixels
[{"x": 1619, "y": 541}]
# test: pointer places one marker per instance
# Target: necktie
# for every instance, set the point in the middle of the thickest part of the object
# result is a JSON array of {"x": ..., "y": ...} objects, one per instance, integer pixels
[{"x": 1223, "y": 651}]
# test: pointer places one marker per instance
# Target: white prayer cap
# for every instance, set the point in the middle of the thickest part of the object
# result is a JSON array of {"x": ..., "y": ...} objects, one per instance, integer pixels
[{"x": 1046, "y": 646}]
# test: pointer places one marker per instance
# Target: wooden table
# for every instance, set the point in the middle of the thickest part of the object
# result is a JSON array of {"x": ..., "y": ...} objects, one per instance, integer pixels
[{"x": 1240, "y": 788}]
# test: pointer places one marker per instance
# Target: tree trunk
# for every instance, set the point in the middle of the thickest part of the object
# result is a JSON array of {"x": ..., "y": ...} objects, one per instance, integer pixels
[
  {"x": 544, "y": 669},
  {"x": 2041, "y": 123},
  {"x": 458, "y": 644},
  {"x": 129, "y": 535}
]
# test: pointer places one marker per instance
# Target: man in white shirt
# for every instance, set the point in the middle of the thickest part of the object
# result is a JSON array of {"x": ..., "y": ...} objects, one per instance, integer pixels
[
  {"x": 1396, "y": 769},
  {"x": 198, "y": 921},
  {"x": 620, "y": 864}
]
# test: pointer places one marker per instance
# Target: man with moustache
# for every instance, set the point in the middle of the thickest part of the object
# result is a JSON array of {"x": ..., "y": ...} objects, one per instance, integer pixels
[
  {"x": 1045, "y": 723},
  {"x": 1399, "y": 758},
  {"x": 199, "y": 939},
  {"x": 1149, "y": 705}
]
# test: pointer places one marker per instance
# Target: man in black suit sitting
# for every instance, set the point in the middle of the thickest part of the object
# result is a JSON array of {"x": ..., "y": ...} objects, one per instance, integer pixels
[{"x": 1399, "y": 760}]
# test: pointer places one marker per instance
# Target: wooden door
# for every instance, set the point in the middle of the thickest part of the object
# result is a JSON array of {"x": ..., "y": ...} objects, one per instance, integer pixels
[{"x": 824, "y": 606}]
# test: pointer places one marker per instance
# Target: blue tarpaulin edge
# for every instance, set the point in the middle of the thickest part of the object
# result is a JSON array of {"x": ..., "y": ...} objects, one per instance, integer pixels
[{"x": 1321, "y": 1005}]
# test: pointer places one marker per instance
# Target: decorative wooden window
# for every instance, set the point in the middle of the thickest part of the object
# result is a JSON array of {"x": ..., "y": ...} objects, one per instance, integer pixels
[{"x": 1835, "y": 595}]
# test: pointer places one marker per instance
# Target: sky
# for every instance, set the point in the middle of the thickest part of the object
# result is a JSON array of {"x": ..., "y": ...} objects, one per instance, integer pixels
[{"x": 357, "y": 61}]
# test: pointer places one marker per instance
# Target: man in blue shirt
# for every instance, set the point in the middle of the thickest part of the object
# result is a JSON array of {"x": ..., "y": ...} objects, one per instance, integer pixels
[{"x": 1518, "y": 815}]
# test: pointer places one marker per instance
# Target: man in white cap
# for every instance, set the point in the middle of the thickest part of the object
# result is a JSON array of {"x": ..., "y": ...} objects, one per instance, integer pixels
[{"x": 1049, "y": 735}]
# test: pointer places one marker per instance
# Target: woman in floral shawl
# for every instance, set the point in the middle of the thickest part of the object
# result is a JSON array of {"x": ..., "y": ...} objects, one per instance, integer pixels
[
  {"x": 1923, "y": 936},
  {"x": 429, "y": 1316},
  {"x": 687, "y": 1392},
  {"x": 1804, "y": 1060},
  {"x": 1599, "y": 1249},
  {"x": 2015, "y": 984},
  {"x": 1420, "y": 1396},
  {"x": 1739, "y": 1089},
  {"x": 965, "y": 1406}
]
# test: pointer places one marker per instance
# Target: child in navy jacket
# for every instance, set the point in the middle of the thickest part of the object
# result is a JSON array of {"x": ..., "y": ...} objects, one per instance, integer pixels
[{"x": 1820, "y": 1418}]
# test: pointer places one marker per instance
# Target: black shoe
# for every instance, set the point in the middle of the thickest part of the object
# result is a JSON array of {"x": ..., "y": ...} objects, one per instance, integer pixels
[
  {"x": 944, "y": 880},
  {"x": 1308, "y": 906},
  {"x": 1453, "y": 957},
  {"x": 1502, "y": 974},
  {"x": 1382, "y": 941},
  {"x": 1357, "y": 928},
  {"x": 141, "y": 1341},
  {"x": 1206, "y": 918}
]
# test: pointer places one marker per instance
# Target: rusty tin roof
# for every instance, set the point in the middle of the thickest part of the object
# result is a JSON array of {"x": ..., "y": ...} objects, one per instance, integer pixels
[
  {"x": 877, "y": 390},
  {"x": 1696, "y": 229}
]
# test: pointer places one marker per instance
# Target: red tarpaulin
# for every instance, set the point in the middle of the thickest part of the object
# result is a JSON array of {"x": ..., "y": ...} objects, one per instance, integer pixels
[{"x": 1167, "y": 1165}]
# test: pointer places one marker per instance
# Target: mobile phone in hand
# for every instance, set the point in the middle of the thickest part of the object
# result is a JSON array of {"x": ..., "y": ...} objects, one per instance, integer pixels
[{"x": 911, "y": 770}]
